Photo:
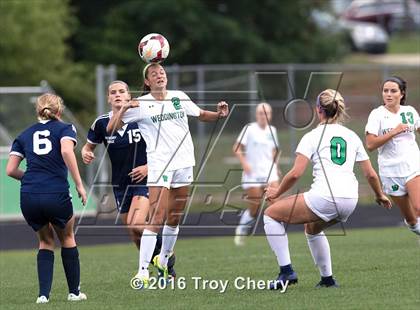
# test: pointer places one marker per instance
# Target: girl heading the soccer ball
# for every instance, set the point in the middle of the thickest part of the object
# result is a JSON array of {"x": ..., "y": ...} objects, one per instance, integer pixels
[{"x": 162, "y": 118}]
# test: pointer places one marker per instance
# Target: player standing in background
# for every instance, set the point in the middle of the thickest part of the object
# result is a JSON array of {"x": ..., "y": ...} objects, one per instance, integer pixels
[
  {"x": 45, "y": 200},
  {"x": 127, "y": 152},
  {"x": 333, "y": 149},
  {"x": 391, "y": 129},
  {"x": 162, "y": 118},
  {"x": 258, "y": 140}
]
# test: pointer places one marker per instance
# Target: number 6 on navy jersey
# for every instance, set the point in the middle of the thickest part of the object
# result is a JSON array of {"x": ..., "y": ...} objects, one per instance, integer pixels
[{"x": 41, "y": 144}]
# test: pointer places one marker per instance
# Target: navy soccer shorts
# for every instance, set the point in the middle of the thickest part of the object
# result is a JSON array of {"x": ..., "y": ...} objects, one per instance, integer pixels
[
  {"x": 39, "y": 209},
  {"x": 124, "y": 196}
]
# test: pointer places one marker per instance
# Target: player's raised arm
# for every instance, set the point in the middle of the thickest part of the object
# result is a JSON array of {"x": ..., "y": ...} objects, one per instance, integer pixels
[
  {"x": 211, "y": 116},
  {"x": 116, "y": 122}
]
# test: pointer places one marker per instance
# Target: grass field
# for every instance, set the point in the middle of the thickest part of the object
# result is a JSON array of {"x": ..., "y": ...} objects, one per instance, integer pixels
[{"x": 376, "y": 268}]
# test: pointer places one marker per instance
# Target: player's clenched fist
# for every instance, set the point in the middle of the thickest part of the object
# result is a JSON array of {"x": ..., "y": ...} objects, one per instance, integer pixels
[
  {"x": 130, "y": 104},
  {"x": 222, "y": 109},
  {"x": 400, "y": 128}
]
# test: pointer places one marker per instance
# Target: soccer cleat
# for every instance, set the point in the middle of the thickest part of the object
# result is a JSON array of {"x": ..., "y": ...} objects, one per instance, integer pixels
[
  {"x": 331, "y": 282},
  {"x": 171, "y": 269},
  {"x": 415, "y": 229},
  {"x": 139, "y": 282},
  {"x": 162, "y": 270},
  {"x": 74, "y": 297},
  {"x": 42, "y": 300},
  {"x": 283, "y": 278}
]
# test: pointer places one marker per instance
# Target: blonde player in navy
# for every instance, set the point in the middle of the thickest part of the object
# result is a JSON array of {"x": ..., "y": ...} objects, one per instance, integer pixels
[
  {"x": 45, "y": 200},
  {"x": 332, "y": 149},
  {"x": 162, "y": 118},
  {"x": 257, "y": 149},
  {"x": 391, "y": 128},
  {"x": 127, "y": 152}
]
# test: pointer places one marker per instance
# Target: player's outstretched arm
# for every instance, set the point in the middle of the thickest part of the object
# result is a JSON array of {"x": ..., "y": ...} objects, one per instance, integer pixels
[
  {"x": 87, "y": 153},
  {"x": 116, "y": 123},
  {"x": 374, "y": 141},
  {"x": 210, "y": 116},
  {"x": 12, "y": 168},
  {"x": 373, "y": 180},
  {"x": 289, "y": 179},
  {"x": 69, "y": 158}
]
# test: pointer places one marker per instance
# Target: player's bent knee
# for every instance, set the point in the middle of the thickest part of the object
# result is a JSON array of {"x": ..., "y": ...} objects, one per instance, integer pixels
[
  {"x": 271, "y": 212},
  {"x": 173, "y": 220},
  {"x": 136, "y": 232},
  {"x": 310, "y": 229},
  {"x": 267, "y": 211},
  {"x": 47, "y": 243},
  {"x": 68, "y": 240}
]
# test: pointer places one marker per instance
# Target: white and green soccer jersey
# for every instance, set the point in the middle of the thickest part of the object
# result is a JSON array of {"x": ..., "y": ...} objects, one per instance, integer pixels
[
  {"x": 259, "y": 143},
  {"x": 333, "y": 149},
  {"x": 164, "y": 127},
  {"x": 400, "y": 156}
]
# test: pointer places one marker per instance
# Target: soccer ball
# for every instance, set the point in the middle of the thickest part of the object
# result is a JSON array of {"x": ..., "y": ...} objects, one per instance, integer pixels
[{"x": 153, "y": 48}]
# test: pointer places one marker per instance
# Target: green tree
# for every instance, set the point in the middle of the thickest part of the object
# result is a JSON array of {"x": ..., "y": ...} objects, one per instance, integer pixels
[
  {"x": 33, "y": 47},
  {"x": 207, "y": 32}
]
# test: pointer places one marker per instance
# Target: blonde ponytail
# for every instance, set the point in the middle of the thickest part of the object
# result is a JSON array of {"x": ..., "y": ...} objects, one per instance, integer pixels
[
  {"x": 332, "y": 104},
  {"x": 49, "y": 107}
]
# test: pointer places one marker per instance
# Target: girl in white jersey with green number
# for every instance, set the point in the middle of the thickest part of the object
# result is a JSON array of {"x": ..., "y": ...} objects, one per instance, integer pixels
[
  {"x": 162, "y": 119},
  {"x": 332, "y": 149},
  {"x": 391, "y": 129},
  {"x": 257, "y": 149}
]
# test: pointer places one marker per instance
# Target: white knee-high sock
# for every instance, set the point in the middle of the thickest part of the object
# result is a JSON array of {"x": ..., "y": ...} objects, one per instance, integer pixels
[
  {"x": 277, "y": 238},
  {"x": 320, "y": 250},
  {"x": 169, "y": 236},
  {"x": 244, "y": 223},
  {"x": 147, "y": 246}
]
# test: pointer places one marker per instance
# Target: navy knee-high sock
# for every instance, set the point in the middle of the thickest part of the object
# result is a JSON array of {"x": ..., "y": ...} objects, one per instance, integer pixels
[
  {"x": 71, "y": 264},
  {"x": 45, "y": 264}
]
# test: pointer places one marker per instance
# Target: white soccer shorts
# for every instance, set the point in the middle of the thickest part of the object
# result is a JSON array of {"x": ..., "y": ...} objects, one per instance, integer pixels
[
  {"x": 170, "y": 179},
  {"x": 395, "y": 186},
  {"x": 328, "y": 208}
]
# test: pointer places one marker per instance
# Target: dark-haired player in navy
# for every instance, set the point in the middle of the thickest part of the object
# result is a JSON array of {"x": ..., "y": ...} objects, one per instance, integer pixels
[
  {"x": 127, "y": 151},
  {"x": 45, "y": 200}
]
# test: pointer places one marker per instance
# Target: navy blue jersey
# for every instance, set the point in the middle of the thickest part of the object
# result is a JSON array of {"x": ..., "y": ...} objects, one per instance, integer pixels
[
  {"x": 126, "y": 149},
  {"x": 40, "y": 144}
]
